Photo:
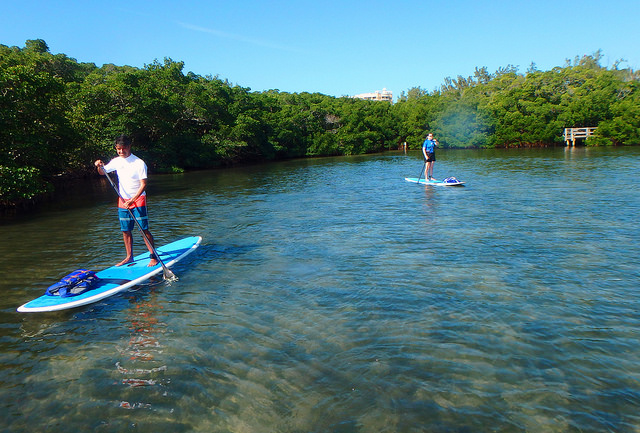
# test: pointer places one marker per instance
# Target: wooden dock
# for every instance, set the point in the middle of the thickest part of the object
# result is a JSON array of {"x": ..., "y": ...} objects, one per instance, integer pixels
[{"x": 573, "y": 134}]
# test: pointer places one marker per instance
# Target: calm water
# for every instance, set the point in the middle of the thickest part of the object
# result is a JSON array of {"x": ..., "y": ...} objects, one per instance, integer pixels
[{"x": 332, "y": 296}]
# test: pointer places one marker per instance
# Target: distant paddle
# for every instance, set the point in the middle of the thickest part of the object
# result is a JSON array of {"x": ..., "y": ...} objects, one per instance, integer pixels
[
  {"x": 166, "y": 273},
  {"x": 422, "y": 171}
]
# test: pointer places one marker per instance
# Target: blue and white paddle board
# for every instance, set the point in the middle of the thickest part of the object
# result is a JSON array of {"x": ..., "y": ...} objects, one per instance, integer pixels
[
  {"x": 117, "y": 278},
  {"x": 434, "y": 182}
]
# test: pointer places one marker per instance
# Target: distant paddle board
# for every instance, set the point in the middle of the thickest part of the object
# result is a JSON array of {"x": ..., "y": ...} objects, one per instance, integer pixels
[
  {"x": 434, "y": 182},
  {"x": 116, "y": 278}
]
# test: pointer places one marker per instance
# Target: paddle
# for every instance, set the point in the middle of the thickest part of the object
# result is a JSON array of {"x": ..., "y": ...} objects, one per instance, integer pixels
[
  {"x": 422, "y": 171},
  {"x": 166, "y": 273}
]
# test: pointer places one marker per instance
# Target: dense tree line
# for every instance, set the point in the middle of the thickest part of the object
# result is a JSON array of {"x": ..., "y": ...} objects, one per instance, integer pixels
[
  {"x": 57, "y": 115},
  {"x": 507, "y": 108}
]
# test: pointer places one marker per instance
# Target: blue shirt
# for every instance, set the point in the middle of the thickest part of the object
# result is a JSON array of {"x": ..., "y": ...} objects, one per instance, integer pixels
[{"x": 429, "y": 145}]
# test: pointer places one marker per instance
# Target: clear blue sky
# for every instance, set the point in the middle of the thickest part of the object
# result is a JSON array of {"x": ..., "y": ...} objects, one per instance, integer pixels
[{"x": 335, "y": 47}]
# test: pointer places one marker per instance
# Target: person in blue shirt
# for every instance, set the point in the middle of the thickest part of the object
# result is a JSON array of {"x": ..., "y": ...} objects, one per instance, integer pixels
[{"x": 429, "y": 152}]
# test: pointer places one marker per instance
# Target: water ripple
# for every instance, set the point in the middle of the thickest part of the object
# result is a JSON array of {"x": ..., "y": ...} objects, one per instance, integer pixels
[{"x": 330, "y": 295}]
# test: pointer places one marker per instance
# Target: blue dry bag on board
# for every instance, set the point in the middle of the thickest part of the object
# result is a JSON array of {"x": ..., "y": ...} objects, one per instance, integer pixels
[
  {"x": 75, "y": 283},
  {"x": 451, "y": 180}
]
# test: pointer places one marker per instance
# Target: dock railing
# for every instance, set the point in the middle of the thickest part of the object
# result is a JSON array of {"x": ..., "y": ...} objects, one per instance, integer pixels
[{"x": 573, "y": 134}]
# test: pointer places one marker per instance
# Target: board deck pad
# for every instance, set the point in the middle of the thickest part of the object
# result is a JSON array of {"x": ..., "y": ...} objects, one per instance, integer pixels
[
  {"x": 434, "y": 182},
  {"x": 117, "y": 278}
]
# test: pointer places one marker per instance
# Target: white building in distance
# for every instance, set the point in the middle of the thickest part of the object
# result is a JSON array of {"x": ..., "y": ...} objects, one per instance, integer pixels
[{"x": 378, "y": 95}]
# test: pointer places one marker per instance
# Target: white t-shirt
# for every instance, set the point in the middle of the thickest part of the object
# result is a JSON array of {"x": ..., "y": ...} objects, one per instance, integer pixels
[{"x": 131, "y": 170}]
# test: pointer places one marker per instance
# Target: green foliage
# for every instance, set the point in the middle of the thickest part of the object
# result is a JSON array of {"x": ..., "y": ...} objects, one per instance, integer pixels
[
  {"x": 623, "y": 127},
  {"x": 20, "y": 183},
  {"x": 511, "y": 109},
  {"x": 58, "y": 115}
]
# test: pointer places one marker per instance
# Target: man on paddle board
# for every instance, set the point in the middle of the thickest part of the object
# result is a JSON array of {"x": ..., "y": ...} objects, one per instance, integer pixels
[
  {"x": 132, "y": 180},
  {"x": 429, "y": 152}
]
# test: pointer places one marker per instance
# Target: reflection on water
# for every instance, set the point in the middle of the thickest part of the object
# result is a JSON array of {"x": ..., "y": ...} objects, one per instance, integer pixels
[
  {"x": 142, "y": 363},
  {"x": 330, "y": 295}
]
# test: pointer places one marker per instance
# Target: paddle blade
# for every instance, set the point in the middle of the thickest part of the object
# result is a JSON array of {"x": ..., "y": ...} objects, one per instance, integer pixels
[{"x": 168, "y": 275}]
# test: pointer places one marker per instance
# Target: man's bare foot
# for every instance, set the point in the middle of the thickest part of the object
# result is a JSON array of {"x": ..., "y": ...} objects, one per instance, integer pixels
[
  {"x": 152, "y": 262},
  {"x": 125, "y": 261}
]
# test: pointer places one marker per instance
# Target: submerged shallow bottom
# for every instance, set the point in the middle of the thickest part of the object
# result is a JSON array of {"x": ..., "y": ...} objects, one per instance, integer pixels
[{"x": 331, "y": 295}]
